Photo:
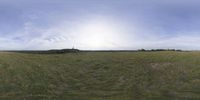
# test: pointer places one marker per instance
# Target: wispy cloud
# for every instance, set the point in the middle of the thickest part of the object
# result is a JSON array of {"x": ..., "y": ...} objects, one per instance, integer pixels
[{"x": 99, "y": 24}]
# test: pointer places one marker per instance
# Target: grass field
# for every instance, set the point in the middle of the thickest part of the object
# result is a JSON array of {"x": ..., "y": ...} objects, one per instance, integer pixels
[{"x": 100, "y": 76}]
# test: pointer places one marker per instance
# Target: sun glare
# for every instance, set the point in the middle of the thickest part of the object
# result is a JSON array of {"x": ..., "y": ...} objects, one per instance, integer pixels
[{"x": 97, "y": 34}]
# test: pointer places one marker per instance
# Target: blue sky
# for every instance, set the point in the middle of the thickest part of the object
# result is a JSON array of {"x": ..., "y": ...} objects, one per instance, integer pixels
[{"x": 99, "y": 24}]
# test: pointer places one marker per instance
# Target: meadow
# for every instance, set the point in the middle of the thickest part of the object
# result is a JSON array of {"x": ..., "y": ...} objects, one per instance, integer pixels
[{"x": 166, "y": 75}]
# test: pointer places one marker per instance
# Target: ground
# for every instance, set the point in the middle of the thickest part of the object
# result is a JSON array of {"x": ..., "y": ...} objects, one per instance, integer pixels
[{"x": 166, "y": 75}]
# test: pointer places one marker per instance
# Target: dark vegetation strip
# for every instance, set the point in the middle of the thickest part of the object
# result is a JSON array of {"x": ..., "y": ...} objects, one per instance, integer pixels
[{"x": 61, "y": 51}]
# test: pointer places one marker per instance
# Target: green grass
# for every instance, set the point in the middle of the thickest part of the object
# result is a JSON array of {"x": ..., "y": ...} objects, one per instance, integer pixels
[{"x": 100, "y": 76}]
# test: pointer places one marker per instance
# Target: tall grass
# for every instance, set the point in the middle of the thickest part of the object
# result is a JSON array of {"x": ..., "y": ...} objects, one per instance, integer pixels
[{"x": 100, "y": 76}]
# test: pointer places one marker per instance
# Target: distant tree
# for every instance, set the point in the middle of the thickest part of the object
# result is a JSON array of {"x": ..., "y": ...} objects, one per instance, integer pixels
[
  {"x": 152, "y": 50},
  {"x": 178, "y": 50},
  {"x": 142, "y": 49}
]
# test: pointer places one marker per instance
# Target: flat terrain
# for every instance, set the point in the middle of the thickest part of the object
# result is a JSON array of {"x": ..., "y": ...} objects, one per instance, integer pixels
[{"x": 100, "y": 76}]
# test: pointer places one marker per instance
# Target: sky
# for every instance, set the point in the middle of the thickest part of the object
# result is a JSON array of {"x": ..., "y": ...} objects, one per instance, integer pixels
[{"x": 99, "y": 24}]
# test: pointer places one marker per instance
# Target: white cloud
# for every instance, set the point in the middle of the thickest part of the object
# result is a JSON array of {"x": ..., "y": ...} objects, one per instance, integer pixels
[{"x": 64, "y": 35}]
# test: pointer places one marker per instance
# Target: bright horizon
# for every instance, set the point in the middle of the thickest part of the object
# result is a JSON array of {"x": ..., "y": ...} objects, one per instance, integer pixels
[{"x": 99, "y": 24}]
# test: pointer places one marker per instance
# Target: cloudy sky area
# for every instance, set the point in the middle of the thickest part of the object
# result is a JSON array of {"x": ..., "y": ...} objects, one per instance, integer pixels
[{"x": 99, "y": 24}]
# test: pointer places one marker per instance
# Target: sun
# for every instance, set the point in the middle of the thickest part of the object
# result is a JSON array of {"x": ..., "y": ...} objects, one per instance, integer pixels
[{"x": 97, "y": 34}]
